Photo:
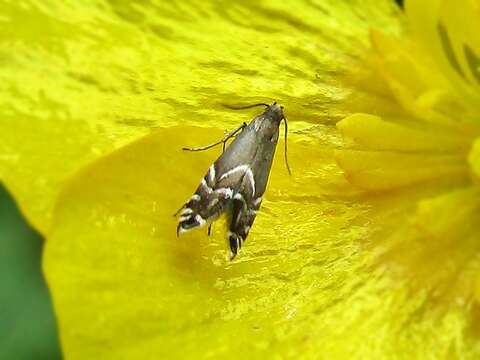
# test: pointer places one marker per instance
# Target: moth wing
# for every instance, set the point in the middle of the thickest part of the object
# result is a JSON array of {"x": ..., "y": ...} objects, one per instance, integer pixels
[
  {"x": 244, "y": 211},
  {"x": 206, "y": 204}
]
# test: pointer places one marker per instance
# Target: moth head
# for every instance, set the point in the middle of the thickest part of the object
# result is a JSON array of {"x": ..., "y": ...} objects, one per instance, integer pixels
[
  {"x": 276, "y": 114},
  {"x": 275, "y": 111}
]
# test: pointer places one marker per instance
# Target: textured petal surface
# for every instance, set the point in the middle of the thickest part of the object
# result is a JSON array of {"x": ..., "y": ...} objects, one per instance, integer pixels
[
  {"x": 126, "y": 287},
  {"x": 82, "y": 79}
]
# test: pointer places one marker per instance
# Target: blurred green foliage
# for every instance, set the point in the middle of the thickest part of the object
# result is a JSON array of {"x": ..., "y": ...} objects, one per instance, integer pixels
[{"x": 27, "y": 324}]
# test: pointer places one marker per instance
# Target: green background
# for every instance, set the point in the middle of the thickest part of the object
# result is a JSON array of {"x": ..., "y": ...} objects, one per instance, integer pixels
[{"x": 27, "y": 323}]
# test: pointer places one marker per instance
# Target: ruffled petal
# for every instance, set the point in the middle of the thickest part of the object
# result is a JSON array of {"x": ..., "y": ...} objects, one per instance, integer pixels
[
  {"x": 81, "y": 80},
  {"x": 449, "y": 32},
  {"x": 125, "y": 286},
  {"x": 371, "y": 132}
]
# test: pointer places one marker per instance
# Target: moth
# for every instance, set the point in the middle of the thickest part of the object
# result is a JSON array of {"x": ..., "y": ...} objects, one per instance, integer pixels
[{"x": 236, "y": 181}]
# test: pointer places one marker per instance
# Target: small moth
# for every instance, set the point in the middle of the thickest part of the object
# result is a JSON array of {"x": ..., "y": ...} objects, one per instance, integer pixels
[{"x": 236, "y": 181}]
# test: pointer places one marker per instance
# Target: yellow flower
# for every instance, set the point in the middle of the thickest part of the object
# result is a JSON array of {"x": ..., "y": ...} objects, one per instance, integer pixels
[
  {"x": 424, "y": 150},
  {"x": 101, "y": 98}
]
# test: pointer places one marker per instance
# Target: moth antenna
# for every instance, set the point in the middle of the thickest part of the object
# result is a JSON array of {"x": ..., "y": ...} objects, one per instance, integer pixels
[
  {"x": 285, "y": 149},
  {"x": 244, "y": 107}
]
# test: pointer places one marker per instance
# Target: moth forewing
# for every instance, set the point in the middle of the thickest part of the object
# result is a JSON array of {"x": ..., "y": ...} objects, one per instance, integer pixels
[{"x": 236, "y": 181}]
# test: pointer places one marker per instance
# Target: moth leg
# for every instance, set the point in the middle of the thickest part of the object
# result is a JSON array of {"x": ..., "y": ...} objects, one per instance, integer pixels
[
  {"x": 224, "y": 140},
  {"x": 209, "y": 229}
]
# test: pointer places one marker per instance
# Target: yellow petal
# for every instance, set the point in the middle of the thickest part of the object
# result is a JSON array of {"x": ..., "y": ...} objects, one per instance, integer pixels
[
  {"x": 415, "y": 82},
  {"x": 433, "y": 242},
  {"x": 450, "y": 33},
  {"x": 83, "y": 79},
  {"x": 125, "y": 287},
  {"x": 449, "y": 215},
  {"x": 382, "y": 170},
  {"x": 372, "y": 133},
  {"x": 400, "y": 64},
  {"x": 474, "y": 159}
]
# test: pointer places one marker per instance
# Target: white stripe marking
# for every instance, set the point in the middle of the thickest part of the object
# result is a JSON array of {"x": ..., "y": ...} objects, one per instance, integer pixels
[
  {"x": 247, "y": 172},
  {"x": 186, "y": 211},
  {"x": 211, "y": 174},
  {"x": 195, "y": 197},
  {"x": 204, "y": 184},
  {"x": 183, "y": 218},
  {"x": 227, "y": 192},
  {"x": 200, "y": 220},
  {"x": 243, "y": 168}
]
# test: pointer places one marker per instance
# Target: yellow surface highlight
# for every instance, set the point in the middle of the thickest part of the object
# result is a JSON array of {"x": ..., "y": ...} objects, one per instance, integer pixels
[{"x": 125, "y": 287}]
